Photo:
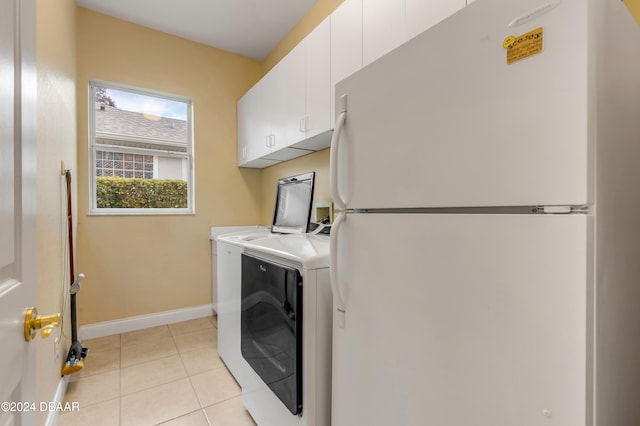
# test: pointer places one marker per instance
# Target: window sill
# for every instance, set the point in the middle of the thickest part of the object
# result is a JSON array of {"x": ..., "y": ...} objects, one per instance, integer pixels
[{"x": 141, "y": 212}]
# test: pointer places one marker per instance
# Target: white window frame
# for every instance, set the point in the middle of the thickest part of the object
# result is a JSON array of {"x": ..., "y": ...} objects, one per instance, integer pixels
[{"x": 187, "y": 157}]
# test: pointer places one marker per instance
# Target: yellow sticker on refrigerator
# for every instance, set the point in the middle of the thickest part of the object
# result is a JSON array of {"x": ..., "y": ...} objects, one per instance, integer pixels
[
  {"x": 523, "y": 46},
  {"x": 634, "y": 8}
]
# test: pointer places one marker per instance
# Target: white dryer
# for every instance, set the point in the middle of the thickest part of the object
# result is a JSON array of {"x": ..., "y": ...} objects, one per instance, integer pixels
[{"x": 286, "y": 327}]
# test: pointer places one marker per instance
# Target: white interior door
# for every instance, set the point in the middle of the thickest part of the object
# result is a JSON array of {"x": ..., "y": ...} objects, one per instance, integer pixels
[
  {"x": 458, "y": 320},
  {"x": 17, "y": 209}
]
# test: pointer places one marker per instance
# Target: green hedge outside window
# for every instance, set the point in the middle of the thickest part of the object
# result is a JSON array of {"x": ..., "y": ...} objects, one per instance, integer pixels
[{"x": 117, "y": 192}]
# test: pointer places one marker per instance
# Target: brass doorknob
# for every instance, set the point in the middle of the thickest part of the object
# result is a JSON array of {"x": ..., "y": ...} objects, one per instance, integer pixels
[{"x": 33, "y": 322}]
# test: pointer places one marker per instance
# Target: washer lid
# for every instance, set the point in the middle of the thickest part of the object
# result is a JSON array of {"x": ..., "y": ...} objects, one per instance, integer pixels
[
  {"x": 294, "y": 199},
  {"x": 310, "y": 251},
  {"x": 240, "y": 238}
]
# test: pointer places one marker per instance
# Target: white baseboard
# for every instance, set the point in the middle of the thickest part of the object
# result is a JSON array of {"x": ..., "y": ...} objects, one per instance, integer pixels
[
  {"x": 52, "y": 418},
  {"x": 109, "y": 328}
]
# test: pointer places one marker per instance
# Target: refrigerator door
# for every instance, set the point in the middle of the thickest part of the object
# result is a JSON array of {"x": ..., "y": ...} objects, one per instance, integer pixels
[
  {"x": 445, "y": 121},
  {"x": 456, "y": 320}
]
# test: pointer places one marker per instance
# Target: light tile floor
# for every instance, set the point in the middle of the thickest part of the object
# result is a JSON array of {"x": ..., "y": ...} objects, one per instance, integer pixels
[{"x": 169, "y": 375}]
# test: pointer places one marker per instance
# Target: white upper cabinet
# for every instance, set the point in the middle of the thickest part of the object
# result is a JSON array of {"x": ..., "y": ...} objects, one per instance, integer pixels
[
  {"x": 244, "y": 127},
  {"x": 289, "y": 98},
  {"x": 303, "y": 86},
  {"x": 279, "y": 116},
  {"x": 346, "y": 44},
  {"x": 262, "y": 122},
  {"x": 383, "y": 24},
  {"x": 291, "y": 111},
  {"x": 254, "y": 127},
  {"x": 284, "y": 104},
  {"x": 318, "y": 81},
  {"x": 422, "y": 15}
]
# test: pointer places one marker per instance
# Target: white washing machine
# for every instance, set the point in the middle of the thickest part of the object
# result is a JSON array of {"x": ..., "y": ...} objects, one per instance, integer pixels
[
  {"x": 236, "y": 234},
  {"x": 286, "y": 327},
  {"x": 227, "y": 251}
]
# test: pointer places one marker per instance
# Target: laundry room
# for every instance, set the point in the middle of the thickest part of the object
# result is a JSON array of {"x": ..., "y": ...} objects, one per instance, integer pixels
[{"x": 319, "y": 212}]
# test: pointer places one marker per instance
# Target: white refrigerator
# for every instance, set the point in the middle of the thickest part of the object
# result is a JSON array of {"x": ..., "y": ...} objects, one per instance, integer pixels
[{"x": 485, "y": 260}]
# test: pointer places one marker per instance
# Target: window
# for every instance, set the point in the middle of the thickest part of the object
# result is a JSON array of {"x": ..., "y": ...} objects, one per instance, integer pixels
[{"x": 141, "y": 151}]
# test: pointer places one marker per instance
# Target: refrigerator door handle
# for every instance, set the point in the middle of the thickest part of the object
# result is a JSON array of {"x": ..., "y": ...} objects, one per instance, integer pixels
[
  {"x": 333, "y": 270},
  {"x": 335, "y": 140}
]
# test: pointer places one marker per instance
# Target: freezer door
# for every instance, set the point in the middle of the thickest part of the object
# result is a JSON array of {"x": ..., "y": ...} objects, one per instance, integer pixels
[
  {"x": 445, "y": 121},
  {"x": 460, "y": 320}
]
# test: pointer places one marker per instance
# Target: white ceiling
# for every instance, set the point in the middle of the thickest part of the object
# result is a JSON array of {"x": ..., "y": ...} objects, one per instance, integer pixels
[{"x": 248, "y": 27}]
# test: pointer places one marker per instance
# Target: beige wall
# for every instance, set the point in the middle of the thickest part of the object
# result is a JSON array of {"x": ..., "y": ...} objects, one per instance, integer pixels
[
  {"x": 138, "y": 265},
  {"x": 316, "y": 162},
  {"x": 56, "y": 142},
  {"x": 319, "y": 161}
]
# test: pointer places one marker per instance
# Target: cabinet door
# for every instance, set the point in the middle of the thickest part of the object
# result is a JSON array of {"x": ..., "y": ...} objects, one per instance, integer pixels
[
  {"x": 346, "y": 44},
  {"x": 244, "y": 128},
  {"x": 382, "y": 28},
  {"x": 318, "y": 80},
  {"x": 285, "y": 104},
  {"x": 269, "y": 114},
  {"x": 253, "y": 124},
  {"x": 422, "y": 15},
  {"x": 290, "y": 83}
]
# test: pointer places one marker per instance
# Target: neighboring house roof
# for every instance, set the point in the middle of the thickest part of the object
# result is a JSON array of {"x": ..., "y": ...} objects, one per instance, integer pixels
[{"x": 117, "y": 122}]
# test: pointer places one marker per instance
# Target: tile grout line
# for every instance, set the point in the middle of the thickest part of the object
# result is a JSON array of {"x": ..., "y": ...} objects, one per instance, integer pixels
[
  {"x": 204, "y": 412},
  {"x": 180, "y": 416},
  {"x": 211, "y": 327},
  {"x": 185, "y": 369},
  {"x": 154, "y": 386},
  {"x": 154, "y": 360},
  {"x": 120, "y": 419},
  {"x": 206, "y": 417},
  {"x": 145, "y": 344},
  {"x": 222, "y": 400},
  {"x": 189, "y": 377}
]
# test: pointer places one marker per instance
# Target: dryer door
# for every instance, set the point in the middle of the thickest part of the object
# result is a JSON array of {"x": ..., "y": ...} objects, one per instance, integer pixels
[{"x": 271, "y": 327}]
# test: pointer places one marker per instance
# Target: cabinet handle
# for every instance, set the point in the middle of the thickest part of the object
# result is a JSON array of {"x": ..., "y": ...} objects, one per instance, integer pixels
[
  {"x": 267, "y": 141},
  {"x": 305, "y": 124},
  {"x": 273, "y": 140}
]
